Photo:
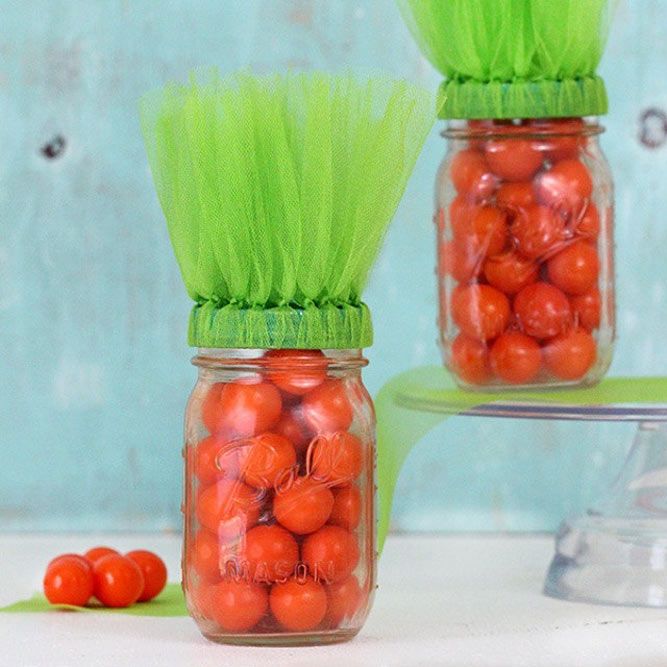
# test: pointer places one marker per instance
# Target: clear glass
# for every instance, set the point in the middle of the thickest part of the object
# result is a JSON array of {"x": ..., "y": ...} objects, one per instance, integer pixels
[
  {"x": 616, "y": 553},
  {"x": 279, "y": 544},
  {"x": 524, "y": 223}
]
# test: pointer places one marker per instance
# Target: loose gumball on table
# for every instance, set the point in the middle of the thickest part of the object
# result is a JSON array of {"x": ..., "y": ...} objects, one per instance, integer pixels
[
  {"x": 280, "y": 539},
  {"x": 105, "y": 575},
  {"x": 69, "y": 580}
]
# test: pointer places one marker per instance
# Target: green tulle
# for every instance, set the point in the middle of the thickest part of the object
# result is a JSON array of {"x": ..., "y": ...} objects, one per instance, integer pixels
[
  {"x": 277, "y": 192},
  {"x": 333, "y": 327},
  {"x": 521, "y": 99},
  {"x": 553, "y": 42}
]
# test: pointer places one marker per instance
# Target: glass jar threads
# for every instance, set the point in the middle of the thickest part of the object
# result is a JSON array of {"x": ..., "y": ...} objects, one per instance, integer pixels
[
  {"x": 279, "y": 544},
  {"x": 524, "y": 220}
]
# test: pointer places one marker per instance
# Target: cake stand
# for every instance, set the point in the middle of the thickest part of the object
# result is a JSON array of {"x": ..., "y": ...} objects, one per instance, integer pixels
[{"x": 616, "y": 552}]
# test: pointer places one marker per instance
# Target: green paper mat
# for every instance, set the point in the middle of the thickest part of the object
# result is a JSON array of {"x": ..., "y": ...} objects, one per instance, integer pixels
[
  {"x": 414, "y": 402},
  {"x": 169, "y": 603}
]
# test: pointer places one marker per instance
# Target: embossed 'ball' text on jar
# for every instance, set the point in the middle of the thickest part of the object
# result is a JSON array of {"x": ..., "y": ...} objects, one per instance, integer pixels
[
  {"x": 279, "y": 543},
  {"x": 524, "y": 224}
]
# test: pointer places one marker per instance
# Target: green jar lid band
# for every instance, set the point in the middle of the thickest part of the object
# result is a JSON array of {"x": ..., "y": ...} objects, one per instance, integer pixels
[
  {"x": 283, "y": 327},
  {"x": 585, "y": 96}
]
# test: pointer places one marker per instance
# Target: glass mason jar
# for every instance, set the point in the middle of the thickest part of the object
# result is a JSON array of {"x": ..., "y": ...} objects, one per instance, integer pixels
[
  {"x": 279, "y": 544},
  {"x": 524, "y": 220}
]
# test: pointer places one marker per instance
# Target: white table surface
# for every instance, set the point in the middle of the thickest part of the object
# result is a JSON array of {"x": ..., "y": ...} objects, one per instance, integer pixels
[{"x": 459, "y": 601}]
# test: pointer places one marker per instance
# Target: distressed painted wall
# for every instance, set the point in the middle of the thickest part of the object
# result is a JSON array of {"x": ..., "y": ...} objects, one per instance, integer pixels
[{"x": 93, "y": 363}]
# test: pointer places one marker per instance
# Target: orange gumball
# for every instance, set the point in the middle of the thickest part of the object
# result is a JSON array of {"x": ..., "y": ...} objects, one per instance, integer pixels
[
  {"x": 513, "y": 159},
  {"x": 69, "y": 580},
  {"x": 485, "y": 232},
  {"x": 480, "y": 311},
  {"x": 270, "y": 552},
  {"x": 575, "y": 269},
  {"x": 469, "y": 359},
  {"x": 96, "y": 553},
  {"x": 571, "y": 355},
  {"x": 119, "y": 581},
  {"x": 265, "y": 458},
  {"x": 460, "y": 211},
  {"x": 566, "y": 186},
  {"x": 291, "y": 426},
  {"x": 346, "y": 510},
  {"x": 298, "y": 605},
  {"x": 331, "y": 554},
  {"x": 587, "y": 308},
  {"x": 542, "y": 310},
  {"x": 562, "y": 138},
  {"x": 510, "y": 272},
  {"x": 515, "y": 358},
  {"x": 460, "y": 261},
  {"x": 210, "y": 407},
  {"x": 213, "y": 458},
  {"x": 326, "y": 408},
  {"x": 203, "y": 553},
  {"x": 154, "y": 571},
  {"x": 537, "y": 230},
  {"x": 515, "y": 196},
  {"x": 471, "y": 175},
  {"x": 303, "y": 370},
  {"x": 227, "y": 507},
  {"x": 236, "y": 606},
  {"x": 303, "y": 506},
  {"x": 250, "y": 408},
  {"x": 345, "y": 599},
  {"x": 336, "y": 458}
]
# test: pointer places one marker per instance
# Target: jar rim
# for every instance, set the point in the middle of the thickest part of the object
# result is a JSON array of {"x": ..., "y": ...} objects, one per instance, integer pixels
[
  {"x": 254, "y": 359},
  {"x": 543, "y": 128}
]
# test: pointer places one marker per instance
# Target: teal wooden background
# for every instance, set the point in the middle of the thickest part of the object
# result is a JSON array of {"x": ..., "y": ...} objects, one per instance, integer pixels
[{"x": 94, "y": 369}]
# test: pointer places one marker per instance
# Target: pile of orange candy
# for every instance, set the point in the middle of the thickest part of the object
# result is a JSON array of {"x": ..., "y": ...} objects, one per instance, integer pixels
[
  {"x": 523, "y": 250},
  {"x": 115, "y": 580},
  {"x": 274, "y": 501}
]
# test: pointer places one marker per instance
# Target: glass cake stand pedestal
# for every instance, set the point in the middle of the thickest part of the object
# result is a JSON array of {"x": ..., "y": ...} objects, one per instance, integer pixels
[{"x": 616, "y": 552}]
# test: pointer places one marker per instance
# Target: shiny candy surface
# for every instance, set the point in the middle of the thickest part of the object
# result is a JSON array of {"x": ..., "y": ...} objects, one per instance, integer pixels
[
  {"x": 575, "y": 269},
  {"x": 68, "y": 580},
  {"x": 327, "y": 408},
  {"x": 265, "y": 458},
  {"x": 470, "y": 359},
  {"x": 344, "y": 599},
  {"x": 270, "y": 552},
  {"x": 537, "y": 230},
  {"x": 154, "y": 571},
  {"x": 510, "y": 272},
  {"x": 236, "y": 606},
  {"x": 471, "y": 175},
  {"x": 566, "y": 186},
  {"x": 229, "y": 506},
  {"x": 331, "y": 553},
  {"x": 513, "y": 159},
  {"x": 481, "y": 312},
  {"x": 337, "y": 458},
  {"x": 304, "y": 506},
  {"x": 118, "y": 581},
  {"x": 570, "y": 355},
  {"x": 299, "y": 606},
  {"x": 515, "y": 357},
  {"x": 346, "y": 510},
  {"x": 542, "y": 310},
  {"x": 302, "y": 371}
]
